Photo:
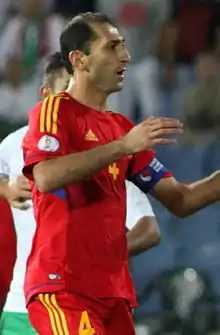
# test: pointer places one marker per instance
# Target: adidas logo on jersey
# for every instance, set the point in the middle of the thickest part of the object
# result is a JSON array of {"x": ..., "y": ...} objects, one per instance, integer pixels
[{"x": 90, "y": 136}]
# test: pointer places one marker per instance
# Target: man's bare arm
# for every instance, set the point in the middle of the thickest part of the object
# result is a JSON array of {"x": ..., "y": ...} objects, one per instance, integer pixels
[
  {"x": 143, "y": 236},
  {"x": 65, "y": 170},
  {"x": 3, "y": 188},
  {"x": 183, "y": 200}
]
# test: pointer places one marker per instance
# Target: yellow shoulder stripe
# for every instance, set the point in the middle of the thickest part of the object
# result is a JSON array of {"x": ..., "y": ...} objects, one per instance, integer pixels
[{"x": 49, "y": 114}]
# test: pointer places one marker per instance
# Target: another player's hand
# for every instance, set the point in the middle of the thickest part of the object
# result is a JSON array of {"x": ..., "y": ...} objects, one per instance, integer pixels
[
  {"x": 18, "y": 192},
  {"x": 151, "y": 132}
]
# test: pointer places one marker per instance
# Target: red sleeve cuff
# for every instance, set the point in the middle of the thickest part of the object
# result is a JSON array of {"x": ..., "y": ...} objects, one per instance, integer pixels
[
  {"x": 168, "y": 174},
  {"x": 140, "y": 161},
  {"x": 33, "y": 159}
]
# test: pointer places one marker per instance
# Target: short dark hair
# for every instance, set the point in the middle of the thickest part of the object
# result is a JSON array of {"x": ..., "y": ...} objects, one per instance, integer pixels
[
  {"x": 79, "y": 34},
  {"x": 54, "y": 63}
]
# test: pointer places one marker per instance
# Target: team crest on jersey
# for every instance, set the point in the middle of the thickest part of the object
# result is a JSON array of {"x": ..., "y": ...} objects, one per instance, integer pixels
[{"x": 48, "y": 143}]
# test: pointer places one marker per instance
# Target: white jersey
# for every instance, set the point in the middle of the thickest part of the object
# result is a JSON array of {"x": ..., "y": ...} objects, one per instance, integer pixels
[
  {"x": 138, "y": 205},
  {"x": 11, "y": 163}
]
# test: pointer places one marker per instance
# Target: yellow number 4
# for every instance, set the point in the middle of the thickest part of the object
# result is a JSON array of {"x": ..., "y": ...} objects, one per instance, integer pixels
[
  {"x": 85, "y": 327},
  {"x": 113, "y": 170}
]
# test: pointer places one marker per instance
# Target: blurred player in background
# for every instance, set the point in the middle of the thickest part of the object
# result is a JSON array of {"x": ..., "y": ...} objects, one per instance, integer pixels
[
  {"x": 7, "y": 250},
  {"x": 17, "y": 189},
  {"x": 8, "y": 193},
  {"x": 143, "y": 229}
]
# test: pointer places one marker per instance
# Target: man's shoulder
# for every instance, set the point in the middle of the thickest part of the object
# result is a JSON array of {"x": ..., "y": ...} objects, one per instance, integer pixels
[
  {"x": 19, "y": 133},
  {"x": 52, "y": 107},
  {"x": 15, "y": 138},
  {"x": 56, "y": 100},
  {"x": 123, "y": 121}
]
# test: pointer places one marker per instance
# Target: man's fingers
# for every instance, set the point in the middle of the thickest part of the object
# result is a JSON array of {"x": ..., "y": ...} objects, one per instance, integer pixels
[
  {"x": 26, "y": 188},
  {"x": 161, "y": 120},
  {"x": 164, "y": 141},
  {"x": 165, "y": 132},
  {"x": 21, "y": 182},
  {"x": 24, "y": 194},
  {"x": 154, "y": 124},
  {"x": 24, "y": 183},
  {"x": 20, "y": 205},
  {"x": 165, "y": 125}
]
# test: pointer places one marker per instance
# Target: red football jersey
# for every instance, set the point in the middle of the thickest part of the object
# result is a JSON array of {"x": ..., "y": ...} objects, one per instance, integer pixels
[
  {"x": 80, "y": 241},
  {"x": 7, "y": 249}
]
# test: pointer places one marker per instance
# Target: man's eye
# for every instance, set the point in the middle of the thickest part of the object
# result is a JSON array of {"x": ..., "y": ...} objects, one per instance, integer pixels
[{"x": 111, "y": 46}]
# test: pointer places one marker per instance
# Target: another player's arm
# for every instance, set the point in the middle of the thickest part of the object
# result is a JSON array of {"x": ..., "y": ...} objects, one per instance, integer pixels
[
  {"x": 3, "y": 188},
  {"x": 62, "y": 169},
  {"x": 4, "y": 171},
  {"x": 15, "y": 190},
  {"x": 143, "y": 236},
  {"x": 143, "y": 230}
]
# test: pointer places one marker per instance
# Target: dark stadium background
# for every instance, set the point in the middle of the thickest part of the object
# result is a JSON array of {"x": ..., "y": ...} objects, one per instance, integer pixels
[{"x": 175, "y": 48}]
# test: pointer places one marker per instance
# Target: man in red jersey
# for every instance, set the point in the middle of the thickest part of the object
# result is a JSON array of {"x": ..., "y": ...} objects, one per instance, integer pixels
[{"x": 78, "y": 156}]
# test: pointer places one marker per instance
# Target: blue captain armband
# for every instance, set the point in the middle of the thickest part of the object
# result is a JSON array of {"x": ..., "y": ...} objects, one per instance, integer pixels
[{"x": 150, "y": 175}]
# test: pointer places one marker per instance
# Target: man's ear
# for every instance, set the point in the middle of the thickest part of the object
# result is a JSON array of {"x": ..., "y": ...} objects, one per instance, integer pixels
[
  {"x": 76, "y": 58},
  {"x": 44, "y": 91}
]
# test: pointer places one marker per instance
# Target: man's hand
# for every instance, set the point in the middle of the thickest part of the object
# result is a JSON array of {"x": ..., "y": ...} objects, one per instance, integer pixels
[
  {"x": 151, "y": 132},
  {"x": 18, "y": 192}
]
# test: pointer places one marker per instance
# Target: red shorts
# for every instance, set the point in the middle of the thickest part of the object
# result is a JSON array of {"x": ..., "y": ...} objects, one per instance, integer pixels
[{"x": 68, "y": 314}]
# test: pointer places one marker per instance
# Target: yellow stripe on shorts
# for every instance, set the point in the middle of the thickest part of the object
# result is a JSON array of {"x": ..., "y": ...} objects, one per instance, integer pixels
[{"x": 57, "y": 317}]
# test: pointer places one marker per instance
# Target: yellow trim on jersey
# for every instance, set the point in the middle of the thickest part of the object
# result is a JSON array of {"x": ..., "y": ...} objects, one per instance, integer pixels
[
  {"x": 57, "y": 317},
  {"x": 55, "y": 115},
  {"x": 49, "y": 114},
  {"x": 42, "y": 115}
]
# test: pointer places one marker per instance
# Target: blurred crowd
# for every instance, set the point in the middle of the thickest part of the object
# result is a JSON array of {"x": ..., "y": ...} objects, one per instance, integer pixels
[
  {"x": 175, "y": 49},
  {"x": 29, "y": 32},
  {"x": 174, "y": 44}
]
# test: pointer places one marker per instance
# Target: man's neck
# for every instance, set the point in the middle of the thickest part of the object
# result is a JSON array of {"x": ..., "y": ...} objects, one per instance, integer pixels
[{"x": 88, "y": 95}]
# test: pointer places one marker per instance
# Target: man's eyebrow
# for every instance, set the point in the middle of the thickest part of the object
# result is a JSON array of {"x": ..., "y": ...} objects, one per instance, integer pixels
[{"x": 116, "y": 41}]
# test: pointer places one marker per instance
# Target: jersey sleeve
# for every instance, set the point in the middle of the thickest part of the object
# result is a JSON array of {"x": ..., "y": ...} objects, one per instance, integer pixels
[
  {"x": 48, "y": 133},
  {"x": 146, "y": 171},
  {"x": 138, "y": 205}
]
